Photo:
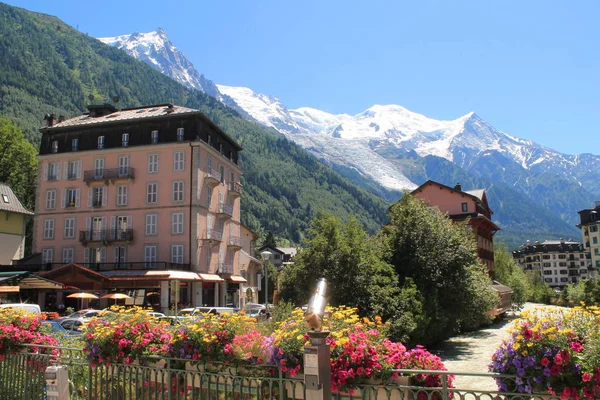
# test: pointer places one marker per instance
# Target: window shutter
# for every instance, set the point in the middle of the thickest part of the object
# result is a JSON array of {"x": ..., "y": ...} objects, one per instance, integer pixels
[
  {"x": 113, "y": 228},
  {"x": 86, "y": 255},
  {"x": 58, "y": 171},
  {"x": 45, "y": 173},
  {"x": 129, "y": 222},
  {"x": 79, "y": 167},
  {"x": 104, "y": 224},
  {"x": 66, "y": 170},
  {"x": 77, "y": 192},
  {"x": 90, "y": 194},
  {"x": 116, "y": 254},
  {"x": 64, "y": 198},
  {"x": 105, "y": 195},
  {"x": 88, "y": 225},
  {"x": 103, "y": 254}
]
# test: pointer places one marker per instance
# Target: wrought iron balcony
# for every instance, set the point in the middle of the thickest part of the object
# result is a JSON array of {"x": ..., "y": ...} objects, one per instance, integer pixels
[
  {"x": 235, "y": 189},
  {"x": 212, "y": 236},
  {"x": 110, "y": 174},
  {"x": 235, "y": 242},
  {"x": 106, "y": 235},
  {"x": 101, "y": 266},
  {"x": 225, "y": 269},
  {"x": 213, "y": 177},
  {"x": 225, "y": 210}
]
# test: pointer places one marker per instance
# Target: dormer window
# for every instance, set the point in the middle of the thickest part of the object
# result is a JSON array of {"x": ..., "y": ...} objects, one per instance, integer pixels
[
  {"x": 125, "y": 140},
  {"x": 100, "y": 142},
  {"x": 55, "y": 146},
  {"x": 154, "y": 137},
  {"x": 180, "y": 133},
  {"x": 75, "y": 145}
]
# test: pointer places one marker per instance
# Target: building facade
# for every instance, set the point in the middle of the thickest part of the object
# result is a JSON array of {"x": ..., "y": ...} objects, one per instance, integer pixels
[
  {"x": 147, "y": 197},
  {"x": 590, "y": 231},
  {"x": 471, "y": 206},
  {"x": 13, "y": 217},
  {"x": 559, "y": 262}
]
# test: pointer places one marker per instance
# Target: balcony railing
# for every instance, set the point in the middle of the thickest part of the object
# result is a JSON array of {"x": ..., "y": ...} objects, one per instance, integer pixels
[
  {"x": 101, "y": 266},
  {"x": 51, "y": 177},
  {"x": 235, "y": 189},
  {"x": 212, "y": 235},
  {"x": 225, "y": 269},
  {"x": 110, "y": 174},
  {"x": 225, "y": 210},
  {"x": 70, "y": 204},
  {"x": 106, "y": 235},
  {"x": 213, "y": 177},
  {"x": 235, "y": 241}
]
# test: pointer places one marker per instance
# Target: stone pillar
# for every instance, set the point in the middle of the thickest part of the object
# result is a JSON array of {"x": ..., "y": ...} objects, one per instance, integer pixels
[
  {"x": 197, "y": 294},
  {"x": 216, "y": 299},
  {"x": 164, "y": 296}
]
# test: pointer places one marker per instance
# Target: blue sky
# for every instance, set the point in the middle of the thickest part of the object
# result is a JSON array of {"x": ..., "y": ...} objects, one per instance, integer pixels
[{"x": 530, "y": 68}]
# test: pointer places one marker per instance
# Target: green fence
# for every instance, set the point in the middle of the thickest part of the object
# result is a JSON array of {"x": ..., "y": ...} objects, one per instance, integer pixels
[{"x": 22, "y": 378}]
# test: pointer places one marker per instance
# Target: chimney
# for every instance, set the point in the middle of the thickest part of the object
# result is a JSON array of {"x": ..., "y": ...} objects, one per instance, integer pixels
[
  {"x": 49, "y": 120},
  {"x": 170, "y": 109},
  {"x": 61, "y": 118},
  {"x": 457, "y": 187},
  {"x": 562, "y": 240}
]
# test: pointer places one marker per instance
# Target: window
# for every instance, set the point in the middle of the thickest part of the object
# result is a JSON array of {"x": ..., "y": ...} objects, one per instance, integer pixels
[
  {"x": 150, "y": 255},
  {"x": 98, "y": 196},
  {"x": 53, "y": 171},
  {"x": 75, "y": 145},
  {"x": 151, "y": 220},
  {"x": 152, "y": 193},
  {"x": 594, "y": 228},
  {"x": 154, "y": 137},
  {"x": 55, "y": 146},
  {"x": 178, "y": 161},
  {"x": 221, "y": 173},
  {"x": 178, "y": 191},
  {"x": 99, "y": 168},
  {"x": 209, "y": 196},
  {"x": 125, "y": 139},
  {"x": 153, "y": 163},
  {"x": 120, "y": 255},
  {"x": 68, "y": 255},
  {"x": 69, "y": 228},
  {"x": 100, "y": 142},
  {"x": 122, "y": 192},
  {"x": 465, "y": 207},
  {"x": 180, "y": 133},
  {"x": 5, "y": 198},
  {"x": 595, "y": 240},
  {"x": 177, "y": 223},
  {"x": 177, "y": 253},
  {"x": 50, "y": 199},
  {"x": 49, "y": 228},
  {"x": 73, "y": 170},
  {"x": 71, "y": 198},
  {"x": 47, "y": 255}
]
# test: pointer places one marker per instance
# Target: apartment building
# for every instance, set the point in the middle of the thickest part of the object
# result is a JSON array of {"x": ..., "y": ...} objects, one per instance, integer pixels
[
  {"x": 559, "y": 262},
  {"x": 471, "y": 206},
  {"x": 142, "y": 200},
  {"x": 590, "y": 231}
]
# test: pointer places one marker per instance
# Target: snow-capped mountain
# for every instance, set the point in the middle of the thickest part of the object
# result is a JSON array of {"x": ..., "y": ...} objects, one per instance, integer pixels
[{"x": 393, "y": 146}]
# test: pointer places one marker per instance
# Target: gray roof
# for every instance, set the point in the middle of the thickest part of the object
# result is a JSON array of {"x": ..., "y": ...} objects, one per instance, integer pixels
[
  {"x": 9, "y": 201},
  {"x": 476, "y": 192},
  {"x": 124, "y": 115}
]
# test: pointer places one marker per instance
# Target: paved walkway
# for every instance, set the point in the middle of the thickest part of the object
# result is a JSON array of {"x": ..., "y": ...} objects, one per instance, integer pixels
[{"x": 472, "y": 352}]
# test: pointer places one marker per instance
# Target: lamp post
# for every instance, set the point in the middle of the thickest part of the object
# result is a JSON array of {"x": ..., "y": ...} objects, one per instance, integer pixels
[{"x": 266, "y": 255}]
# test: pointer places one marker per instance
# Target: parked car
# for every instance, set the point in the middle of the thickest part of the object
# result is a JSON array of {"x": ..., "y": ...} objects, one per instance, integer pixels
[
  {"x": 57, "y": 327},
  {"x": 156, "y": 314},
  {"x": 32, "y": 308},
  {"x": 198, "y": 311},
  {"x": 85, "y": 314},
  {"x": 258, "y": 311}
]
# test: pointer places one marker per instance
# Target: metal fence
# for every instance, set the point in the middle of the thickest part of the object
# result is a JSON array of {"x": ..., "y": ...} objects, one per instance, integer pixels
[{"x": 22, "y": 378}]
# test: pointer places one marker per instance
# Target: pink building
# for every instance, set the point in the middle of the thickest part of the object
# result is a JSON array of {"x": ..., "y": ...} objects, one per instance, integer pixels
[{"x": 147, "y": 197}]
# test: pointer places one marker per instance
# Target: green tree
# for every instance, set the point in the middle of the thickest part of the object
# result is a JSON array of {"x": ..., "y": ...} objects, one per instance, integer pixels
[
  {"x": 540, "y": 291},
  {"x": 18, "y": 168},
  {"x": 348, "y": 258},
  {"x": 269, "y": 240},
  {"x": 440, "y": 258},
  {"x": 509, "y": 273}
]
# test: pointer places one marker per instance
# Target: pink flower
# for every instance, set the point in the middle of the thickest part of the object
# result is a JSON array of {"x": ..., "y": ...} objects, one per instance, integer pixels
[
  {"x": 576, "y": 346},
  {"x": 586, "y": 377}
]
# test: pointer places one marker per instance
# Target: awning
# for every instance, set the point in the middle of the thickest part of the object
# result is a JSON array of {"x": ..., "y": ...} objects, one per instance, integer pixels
[
  {"x": 28, "y": 280},
  {"x": 211, "y": 278},
  {"x": 169, "y": 275},
  {"x": 237, "y": 279},
  {"x": 9, "y": 289}
]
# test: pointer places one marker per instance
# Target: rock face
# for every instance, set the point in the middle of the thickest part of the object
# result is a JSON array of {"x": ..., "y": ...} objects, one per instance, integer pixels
[{"x": 392, "y": 148}]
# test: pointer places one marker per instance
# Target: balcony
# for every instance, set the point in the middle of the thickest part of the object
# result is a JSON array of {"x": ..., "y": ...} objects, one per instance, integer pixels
[
  {"x": 224, "y": 211},
  {"x": 106, "y": 236},
  {"x": 110, "y": 175},
  {"x": 225, "y": 269},
  {"x": 101, "y": 266},
  {"x": 235, "y": 189},
  {"x": 213, "y": 177},
  {"x": 212, "y": 236},
  {"x": 235, "y": 242}
]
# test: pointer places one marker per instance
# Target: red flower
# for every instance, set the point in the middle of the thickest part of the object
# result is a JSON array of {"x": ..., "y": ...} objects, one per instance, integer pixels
[
  {"x": 586, "y": 377},
  {"x": 555, "y": 370},
  {"x": 545, "y": 361}
]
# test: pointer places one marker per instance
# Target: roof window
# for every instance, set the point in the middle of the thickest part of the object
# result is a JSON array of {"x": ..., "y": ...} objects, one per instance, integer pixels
[{"x": 5, "y": 198}]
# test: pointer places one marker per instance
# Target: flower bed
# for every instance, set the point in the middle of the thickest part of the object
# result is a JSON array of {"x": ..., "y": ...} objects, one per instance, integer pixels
[
  {"x": 19, "y": 327},
  {"x": 360, "y": 350},
  {"x": 556, "y": 352}
]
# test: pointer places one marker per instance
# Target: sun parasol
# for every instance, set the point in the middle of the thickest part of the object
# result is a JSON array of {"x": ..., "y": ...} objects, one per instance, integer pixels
[
  {"x": 82, "y": 296},
  {"x": 116, "y": 296}
]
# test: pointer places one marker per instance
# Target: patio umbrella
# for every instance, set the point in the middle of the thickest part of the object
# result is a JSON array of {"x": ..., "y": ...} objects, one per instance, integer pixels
[
  {"x": 116, "y": 296},
  {"x": 82, "y": 296}
]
